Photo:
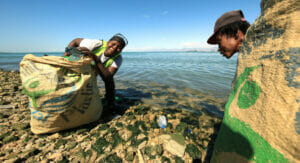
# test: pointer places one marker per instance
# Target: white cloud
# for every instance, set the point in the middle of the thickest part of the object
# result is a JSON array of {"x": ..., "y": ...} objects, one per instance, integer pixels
[
  {"x": 146, "y": 16},
  {"x": 165, "y": 12},
  {"x": 184, "y": 46},
  {"x": 146, "y": 48},
  {"x": 197, "y": 45}
]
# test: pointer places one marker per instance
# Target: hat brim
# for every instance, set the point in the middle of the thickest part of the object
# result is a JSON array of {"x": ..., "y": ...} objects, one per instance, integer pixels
[{"x": 212, "y": 39}]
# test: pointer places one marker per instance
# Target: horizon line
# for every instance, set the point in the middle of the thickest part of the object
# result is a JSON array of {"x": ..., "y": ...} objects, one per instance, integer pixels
[{"x": 123, "y": 51}]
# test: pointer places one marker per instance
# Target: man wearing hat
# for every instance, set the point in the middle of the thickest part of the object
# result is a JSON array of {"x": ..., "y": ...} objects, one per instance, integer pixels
[
  {"x": 107, "y": 58},
  {"x": 229, "y": 32}
]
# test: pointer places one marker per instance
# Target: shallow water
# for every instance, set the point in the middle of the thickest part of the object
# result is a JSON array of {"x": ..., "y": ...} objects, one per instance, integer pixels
[{"x": 194, "y": 81}]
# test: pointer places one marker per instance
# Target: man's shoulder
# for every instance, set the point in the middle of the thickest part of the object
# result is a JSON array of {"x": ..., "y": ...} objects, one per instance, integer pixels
[
  {"x": 91, "y": 44},
  {"x": 119, "y": 58},
  {"x": 88, "y": 40},
  {"x": 91, "y": 39},
  {"x": 117, "y": 62}
]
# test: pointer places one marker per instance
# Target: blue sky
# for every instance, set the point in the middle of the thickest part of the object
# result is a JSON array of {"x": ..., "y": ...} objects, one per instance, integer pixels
[{"x": 49, "y": 25}]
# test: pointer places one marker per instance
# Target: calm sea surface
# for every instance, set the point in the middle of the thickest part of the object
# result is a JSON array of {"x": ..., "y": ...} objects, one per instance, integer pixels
[{"x": 191, "y": 80}]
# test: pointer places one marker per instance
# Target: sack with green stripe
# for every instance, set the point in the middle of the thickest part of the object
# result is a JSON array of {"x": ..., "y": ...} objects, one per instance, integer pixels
[
  {"x": 262, "y": 116},
  {"x": 62, "y": 94}
]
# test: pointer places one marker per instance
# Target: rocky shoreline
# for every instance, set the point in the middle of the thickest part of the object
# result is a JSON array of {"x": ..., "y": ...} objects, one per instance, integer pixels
[{"x": 134, "y": 137}]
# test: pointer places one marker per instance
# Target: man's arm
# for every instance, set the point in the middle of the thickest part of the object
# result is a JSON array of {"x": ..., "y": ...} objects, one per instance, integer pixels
[
  {"x": 106, "y": 75},
  {"x": 110, "y": 92}
]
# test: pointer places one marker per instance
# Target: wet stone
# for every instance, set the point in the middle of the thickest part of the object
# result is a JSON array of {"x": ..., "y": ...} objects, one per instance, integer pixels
[
  {"x": 71, "y": 145},
  {"x": 3, "y": 116},
  {"x": 116, "y": 140},
  {"x": 21, "y": 126},
  {"x": 10, "y": 138},
  {"x": 165, "y": 159},
  {"x": 129, "y": 156},
  {"x": 181, "y": 127},
  {"x": 112, "y": 158},
  {"x": 103, "y": 127},
  {"x": 193, "y": 151},
  {"x": 59, "y": 143},
  {"x": 178, "y": 160},
  {"x": 100, "y": 145}
]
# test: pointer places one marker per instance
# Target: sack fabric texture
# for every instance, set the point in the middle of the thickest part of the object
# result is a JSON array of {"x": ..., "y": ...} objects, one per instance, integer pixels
[
  {"x": 62, "y": 94},
  {"x": 262, "y": 116}
]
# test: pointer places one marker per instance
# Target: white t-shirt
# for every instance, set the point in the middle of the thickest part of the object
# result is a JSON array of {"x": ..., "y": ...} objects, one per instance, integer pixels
[{"x": 92, "y": 44}]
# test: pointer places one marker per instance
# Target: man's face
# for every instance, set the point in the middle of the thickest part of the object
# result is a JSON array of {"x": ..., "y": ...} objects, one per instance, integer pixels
[
  {"x": 113, "y": 48},
  {"x": 229, "y": 45}
]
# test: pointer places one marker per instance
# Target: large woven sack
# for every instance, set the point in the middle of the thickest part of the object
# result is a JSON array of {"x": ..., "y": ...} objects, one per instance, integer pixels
[
  {"x": 62, "y": 94},
  {"x": 262, "y": 116}
]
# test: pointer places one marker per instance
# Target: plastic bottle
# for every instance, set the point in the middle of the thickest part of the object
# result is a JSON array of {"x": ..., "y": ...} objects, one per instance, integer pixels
[
  {"x": 75, "y": 54},
  {"x": 162, "y": 121}
]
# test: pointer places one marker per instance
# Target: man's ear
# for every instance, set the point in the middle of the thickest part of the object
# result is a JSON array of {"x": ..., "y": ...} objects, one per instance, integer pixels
[{"x": 239, "y": 35}]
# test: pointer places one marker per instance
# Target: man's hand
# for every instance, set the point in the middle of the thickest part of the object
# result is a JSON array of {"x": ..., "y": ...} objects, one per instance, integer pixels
[{"x": 87, "y": 52}]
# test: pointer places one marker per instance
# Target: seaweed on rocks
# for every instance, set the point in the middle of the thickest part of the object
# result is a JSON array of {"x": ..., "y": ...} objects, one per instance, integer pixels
[
  {"x": 112, "y": 158},
  {"x": 103, "y": 127},
  {"x": 10, "y": 138},
  {"x": 100, "y": 145},
  {"x": 165, "y": 159},
  {"x": 129, "y": 155},
  {"x": 181, "y": 127},
  {"x": 178, "y": 160},
  {"x": 59, "y": 143},
  {"x": 135, "y": 142},
  {"x": 140, "y": 110},
  {"x": 193, "y": 151},
  {"x": 116, "y": 140},
  {"x": 152, "y": 151}
]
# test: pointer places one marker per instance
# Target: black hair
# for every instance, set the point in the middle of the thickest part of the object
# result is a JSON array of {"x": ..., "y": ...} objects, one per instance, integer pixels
[
  {"x": 230, "y": 30},
  {"x": 120, "y": 38}
]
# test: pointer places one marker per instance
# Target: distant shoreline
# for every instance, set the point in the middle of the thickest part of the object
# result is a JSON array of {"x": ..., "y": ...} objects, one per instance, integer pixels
[{"x": 154, "y": 51}]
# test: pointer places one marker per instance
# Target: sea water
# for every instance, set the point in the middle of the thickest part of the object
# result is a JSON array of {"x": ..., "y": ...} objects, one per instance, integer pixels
[{"x": 191, "y": 80}]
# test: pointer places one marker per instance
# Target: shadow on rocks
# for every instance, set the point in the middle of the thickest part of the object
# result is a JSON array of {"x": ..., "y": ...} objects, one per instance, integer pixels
[
  {"x": 210, "y": 147},
  {"x": 125, "y": 98},
  {"x": 233, "y": 142}
]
